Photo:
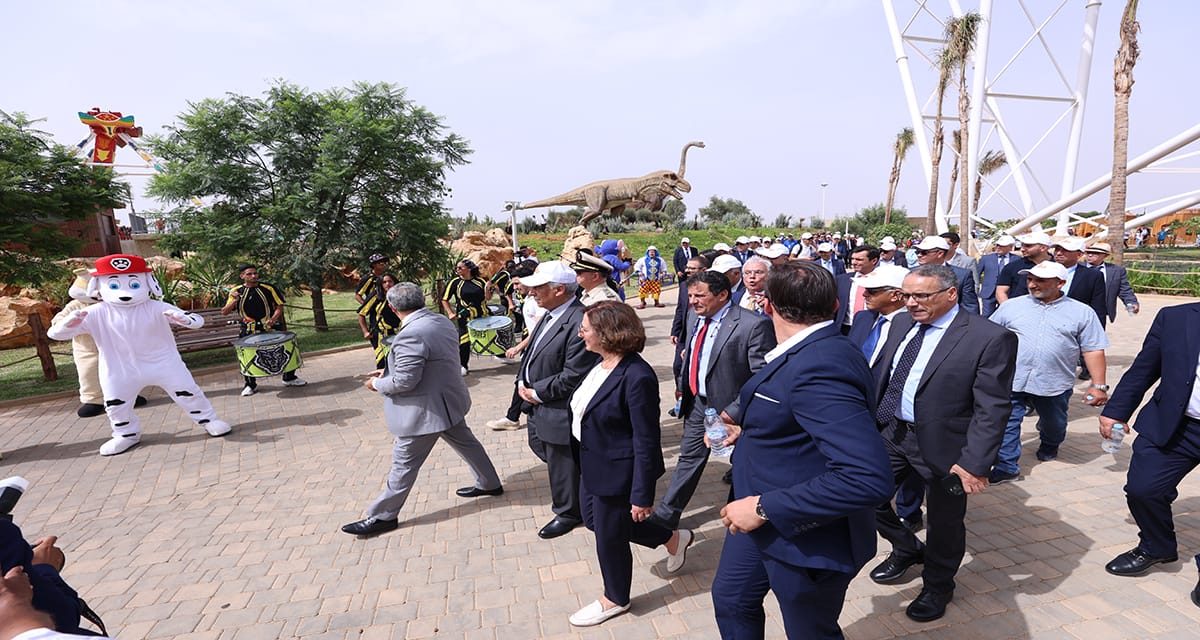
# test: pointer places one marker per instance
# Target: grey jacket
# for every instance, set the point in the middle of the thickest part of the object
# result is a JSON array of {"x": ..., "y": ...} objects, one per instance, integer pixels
[{"x": 423, "y": 389}]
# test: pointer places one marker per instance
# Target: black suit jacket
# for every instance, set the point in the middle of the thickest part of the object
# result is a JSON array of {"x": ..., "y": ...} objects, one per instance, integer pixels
[
  {"x": 962, "y": 403},
  {"x": 554, "y": 369},
  {"x": 1088, "y": 287},
  {"x": 1168, "y": 356},
  {"x": 681, "y": 257},
  {"x": 967, "y": 298},
  {"x": 620, "y": 447}
]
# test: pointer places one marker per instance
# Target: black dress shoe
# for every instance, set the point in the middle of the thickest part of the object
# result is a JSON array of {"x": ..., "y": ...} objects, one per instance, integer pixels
[
  {"x": 475, "y": 492},
  {"x": 728, "y": 477},
  {"x": 1196, "y": 595},
  {"x": 928, "y": 606},
  {"x": 557, "y": 527},
  {"x": 1134, "y": 562},
  {"x": 89, "y": 410},
  {"x": 140, "y": 402},
  {"x": 913, "y": 524},
  {"x": 893, "y": 567},
  {"x": 371, "y": 526}
]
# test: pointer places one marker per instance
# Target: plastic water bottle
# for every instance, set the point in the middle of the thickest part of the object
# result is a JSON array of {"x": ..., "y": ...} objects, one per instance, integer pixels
[
  {"x": 1111, "y": 445},
  {"x": 1132, "y": 310},
  {"x": 714, "y": 428}
]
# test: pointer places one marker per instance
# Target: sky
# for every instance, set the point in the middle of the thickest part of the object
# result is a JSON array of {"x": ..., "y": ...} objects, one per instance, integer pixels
[{"x": 786, "y": 94}]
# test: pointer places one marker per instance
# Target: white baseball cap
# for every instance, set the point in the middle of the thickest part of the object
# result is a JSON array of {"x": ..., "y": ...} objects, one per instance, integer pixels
[
  {"x": 885, "y": 275},
  {"x": 1005, "y": 241},
  {"x": 887, "y": 239},
  {"x": 1037, "y": 237},
  {"x": 685, "y": 239},
  {"x": 1046, "y": 269},
  {"x": 805, "y": 236},
  {"x": 741, "y": 240},
  {"x": 1070, "y": 243},
  {"x": 887, "y": 245},
  {"x": 721, "y": 246},
  {"x": 724, "y": 264},
  {"x": 549, "y": 271},
  {"x": 934, "y": 242},
  {"x": 774, "y": 251},
  {"x": 824, "y": 246},
  {"x": 754, "y": 239}
]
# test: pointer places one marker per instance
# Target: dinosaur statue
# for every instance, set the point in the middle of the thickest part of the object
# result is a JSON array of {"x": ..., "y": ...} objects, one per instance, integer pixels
[{"x": 612, "y": 196}]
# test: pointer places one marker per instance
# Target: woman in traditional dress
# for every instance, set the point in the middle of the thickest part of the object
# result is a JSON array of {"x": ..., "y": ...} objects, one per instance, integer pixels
[{"x": 650, "y": 269}]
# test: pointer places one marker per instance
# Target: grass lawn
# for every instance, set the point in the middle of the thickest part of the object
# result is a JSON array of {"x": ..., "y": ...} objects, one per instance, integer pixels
[{"x": 25, "y": 379}]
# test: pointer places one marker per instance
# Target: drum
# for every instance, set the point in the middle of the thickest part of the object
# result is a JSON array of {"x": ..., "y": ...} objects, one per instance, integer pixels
[
  {"x": 261, "y": 355},
  {"x": 491, "y": 336}
]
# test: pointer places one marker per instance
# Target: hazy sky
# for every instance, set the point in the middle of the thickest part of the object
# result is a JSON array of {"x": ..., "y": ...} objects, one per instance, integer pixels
[{"x": 787, "y": 94}]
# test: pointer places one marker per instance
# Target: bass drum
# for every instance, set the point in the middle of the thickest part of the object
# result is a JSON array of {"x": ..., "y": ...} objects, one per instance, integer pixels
[
  {"x": 491, "y": 336},
  {"x": 262, "y": 355}
]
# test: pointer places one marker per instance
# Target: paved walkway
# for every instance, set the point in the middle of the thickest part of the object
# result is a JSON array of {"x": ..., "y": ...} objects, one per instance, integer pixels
[{"x": 238, "y": 538}]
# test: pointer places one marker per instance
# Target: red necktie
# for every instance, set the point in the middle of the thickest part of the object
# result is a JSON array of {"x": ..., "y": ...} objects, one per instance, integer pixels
[
  {"x": 694, "y": 364},
  {"x": 860, "y": 300}
]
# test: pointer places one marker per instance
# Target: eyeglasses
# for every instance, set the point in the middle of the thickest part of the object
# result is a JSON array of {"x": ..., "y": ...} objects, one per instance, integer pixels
[
  {"x": 922, "y": 297},
  {"x": 922, "y": 252}
]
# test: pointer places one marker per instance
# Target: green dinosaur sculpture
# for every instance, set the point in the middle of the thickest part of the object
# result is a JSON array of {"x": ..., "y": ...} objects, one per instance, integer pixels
[{"x": 612, "y": 196}]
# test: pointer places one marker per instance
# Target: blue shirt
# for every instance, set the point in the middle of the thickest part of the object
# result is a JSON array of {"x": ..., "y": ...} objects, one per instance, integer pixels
[
  {"x": 933, "y": 336},
  {"x": 706, "y": 350},
  {"x": 1050, "y": 337}
]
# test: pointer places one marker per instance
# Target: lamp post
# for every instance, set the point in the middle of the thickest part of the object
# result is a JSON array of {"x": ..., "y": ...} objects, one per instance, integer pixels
[
  {"x": 511, "y": 206},
  {"x": 824, "y": 186}
]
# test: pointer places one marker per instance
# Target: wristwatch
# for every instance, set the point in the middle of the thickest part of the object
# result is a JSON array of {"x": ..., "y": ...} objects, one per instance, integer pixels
[
  {"x": 1102, "y": 387},
  {"x": 758, "y": 510}
]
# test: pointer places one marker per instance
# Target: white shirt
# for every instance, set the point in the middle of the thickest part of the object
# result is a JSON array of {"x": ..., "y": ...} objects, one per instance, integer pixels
[
  {"x": 787, "y": 345},
  {"x": 883, "y": 333},
  {"x": 532, "y": 312},
  {"x": 583, "y": 396},
  {"x": 1193, "y": 408}
]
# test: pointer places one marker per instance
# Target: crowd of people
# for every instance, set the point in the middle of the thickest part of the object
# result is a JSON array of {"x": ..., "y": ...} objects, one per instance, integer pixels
[
  {"x": 940, "y": 356},
  {"x": 866, "y": 391}
]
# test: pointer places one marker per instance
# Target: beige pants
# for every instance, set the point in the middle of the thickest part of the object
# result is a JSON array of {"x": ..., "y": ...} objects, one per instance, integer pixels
[{"x": 87, "y": 358}]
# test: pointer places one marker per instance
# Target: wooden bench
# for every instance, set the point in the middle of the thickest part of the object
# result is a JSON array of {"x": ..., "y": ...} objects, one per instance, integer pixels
[{"x": 218, "y": 331}]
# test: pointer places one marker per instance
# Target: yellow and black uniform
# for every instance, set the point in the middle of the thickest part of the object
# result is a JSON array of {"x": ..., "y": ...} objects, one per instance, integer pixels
[
  {"x": 255, "y": 306},
  {"x": 467, "y": 299},
  {"x": 386, "y": 323}
]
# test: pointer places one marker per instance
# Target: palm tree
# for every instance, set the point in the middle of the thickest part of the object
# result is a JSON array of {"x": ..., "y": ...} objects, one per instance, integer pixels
[
  {"x": 945, "y": 66},
  {"x": 904, "y": 142},
  {"x": 956, "y": 146},
  {"x": 961, "y": 33},
  {"x": 1127, "y": 55},
  {"x": 988, "y": 164}
]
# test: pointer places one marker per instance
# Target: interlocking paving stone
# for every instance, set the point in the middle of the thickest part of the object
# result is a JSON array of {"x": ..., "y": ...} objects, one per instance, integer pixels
[{"x": 233, "y": 538}]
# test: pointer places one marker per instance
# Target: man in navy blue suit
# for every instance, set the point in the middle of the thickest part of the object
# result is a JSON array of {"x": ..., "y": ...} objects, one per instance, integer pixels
[
  {"x": 936, "y": 250},
  {"x": 828, "y": 261},
  {"x": 1168, "y": 444},
  {"x": 808, "y": 470},
  {"x": 990, "y": 267}
]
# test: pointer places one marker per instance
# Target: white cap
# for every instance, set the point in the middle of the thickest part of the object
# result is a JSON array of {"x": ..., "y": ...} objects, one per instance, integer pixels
[
  {"x": 549, "y": 271},
  {"x": 774, "y": 251},
  {"x": 1037, "y": 237},
  {"x": 741, "y": 240},
  {"x": 724, "y": 263},
  {"x": 685, "y": 239},
  {"x": 754, "y": 239},
  {"x": 1005, "y": 241},
  {"x": 837, "y": 235},
  {"x": 805, "y": 236},
  {"x": 1047, "y": 269},
  {"x": 885, "y": 275},
  {"x": 721, "y": 246},
  {"x": 887, "y": 245},
  {"x": 934, "y": 242},
  {"x": 1070, "y": 243},
  {"x": 824, "y": 246},
  {"x": 887, "y": 239}
]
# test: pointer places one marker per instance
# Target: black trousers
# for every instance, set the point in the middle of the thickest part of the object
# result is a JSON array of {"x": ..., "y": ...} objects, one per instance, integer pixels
[
  {"x": 1152, "y": 484},
  {"x": 562, "y": 467},
  {"x": 608, "y": 517},
  {"x": 945, "y": 532}
]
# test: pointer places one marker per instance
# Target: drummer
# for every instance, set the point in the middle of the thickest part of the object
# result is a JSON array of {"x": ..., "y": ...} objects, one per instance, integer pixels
[
  {"x": 463, "y": 301},
  {"x": 502, "y": 283},
  {"x": 367, "y": 286},
  {"x": 260, "y": 309},
  {"x": 592, "y": 273},
  {"x": 386, "y": 322}
]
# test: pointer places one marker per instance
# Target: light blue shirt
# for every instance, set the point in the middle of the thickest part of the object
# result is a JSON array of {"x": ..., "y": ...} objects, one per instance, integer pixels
[
  {"x": 1070, "y": 278},
  {"x": 1050, "y": 337},
  {"x": 706, "y": 350},
  {"x": 933, "y": 336}
]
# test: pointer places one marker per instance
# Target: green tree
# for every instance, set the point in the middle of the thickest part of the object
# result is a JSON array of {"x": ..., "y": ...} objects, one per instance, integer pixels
[
  {"x": 674, "y": 212},
  {"x": 961, "y": 33},
  {"x": 728, "y": 211},
  {"x": 42, "y": 183},
  {"x": 306, "y": 181},
  {"x": 783, "y": 221},
  {"x": 904, "y": 142}
]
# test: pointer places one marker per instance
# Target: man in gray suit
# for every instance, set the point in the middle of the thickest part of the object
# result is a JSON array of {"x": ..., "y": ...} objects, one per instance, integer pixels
[
  {"x": 553, "y": 366},
  {"x": 425, "y": 399},
  {"x": 725, "y": 345},
  {"x": 1116, "y": 280}
]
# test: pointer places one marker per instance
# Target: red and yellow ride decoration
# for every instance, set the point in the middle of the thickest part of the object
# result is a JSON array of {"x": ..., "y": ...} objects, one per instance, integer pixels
[{"x": 110, "y": 130}]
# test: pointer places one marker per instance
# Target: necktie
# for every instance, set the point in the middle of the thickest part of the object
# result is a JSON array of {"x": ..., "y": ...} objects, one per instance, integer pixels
[
  {"x": 860, "y": 300},
  {"x": 868, "y": 347},
  {"x": 886, "y": 414},
  {"x": 694, "y": 363}
]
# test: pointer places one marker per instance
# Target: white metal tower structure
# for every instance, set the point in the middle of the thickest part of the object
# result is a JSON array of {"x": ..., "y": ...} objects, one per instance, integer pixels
[{"x": 1023, "y": 102}]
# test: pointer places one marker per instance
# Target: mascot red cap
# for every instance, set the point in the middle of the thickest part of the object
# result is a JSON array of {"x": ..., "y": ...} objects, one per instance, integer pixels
[{"x": 120, "y": 263}]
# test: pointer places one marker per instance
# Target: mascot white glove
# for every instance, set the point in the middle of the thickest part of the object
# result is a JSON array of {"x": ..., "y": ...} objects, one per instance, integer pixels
[
  {"x": 75, "y": 318},
  {"x": 183, "y": 318}
]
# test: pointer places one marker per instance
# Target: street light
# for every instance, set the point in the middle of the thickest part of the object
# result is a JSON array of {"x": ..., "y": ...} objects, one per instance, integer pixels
[
  {"x": 511, "y": 206},
  {"x": 824, "y": 186}
]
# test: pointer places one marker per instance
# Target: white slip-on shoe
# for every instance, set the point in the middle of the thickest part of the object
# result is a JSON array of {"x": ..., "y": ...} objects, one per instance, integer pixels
[
  {"x": 119, "y": 444},
  {"x": 675, "y": 560},
  {"x": 295, "y": 382},
  {"x": 595, "y": 613},
  {"x": 503, "y": 424},
  {"x": 248, "y": 391}
]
